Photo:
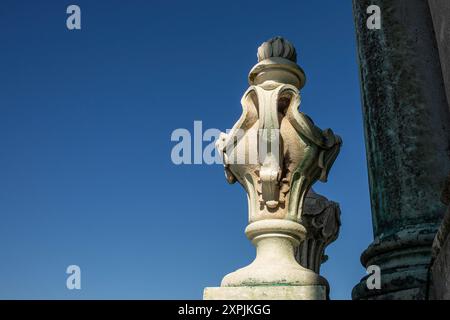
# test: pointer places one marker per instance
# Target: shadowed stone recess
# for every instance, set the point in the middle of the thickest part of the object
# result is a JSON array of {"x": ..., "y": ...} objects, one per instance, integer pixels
[
  {"x": 440, "y": 11},
  {"x": 440, "y": 262},
  {"x": 322, "y": 220}
]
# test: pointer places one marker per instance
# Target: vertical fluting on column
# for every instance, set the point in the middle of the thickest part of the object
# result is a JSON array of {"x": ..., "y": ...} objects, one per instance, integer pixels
[{"x": 407, "y": 125}]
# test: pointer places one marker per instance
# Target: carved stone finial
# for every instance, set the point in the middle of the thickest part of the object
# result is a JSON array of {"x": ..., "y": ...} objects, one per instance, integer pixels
[
  {"x": 277, "y": 59},
  {"x": 276, "y": 153},
  {"x": 321, "y": 218},
  {"x": 277, "y": 47}
]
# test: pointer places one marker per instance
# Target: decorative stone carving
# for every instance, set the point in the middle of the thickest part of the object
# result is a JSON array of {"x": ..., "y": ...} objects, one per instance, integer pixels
[
  {"x": 276, "y": 153},
  {"x": 407, "y": 134},
  {"x": 321, "y": 218}
]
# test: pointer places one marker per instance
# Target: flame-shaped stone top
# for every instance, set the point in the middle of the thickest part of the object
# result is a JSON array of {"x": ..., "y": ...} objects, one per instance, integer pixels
[
  {"x": 277, "y": 61},
  {"x": 277, "y": 47}
]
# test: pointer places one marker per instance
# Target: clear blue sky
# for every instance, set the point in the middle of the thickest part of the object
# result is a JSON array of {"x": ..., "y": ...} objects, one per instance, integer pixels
[{"x": 85, "y": 122}]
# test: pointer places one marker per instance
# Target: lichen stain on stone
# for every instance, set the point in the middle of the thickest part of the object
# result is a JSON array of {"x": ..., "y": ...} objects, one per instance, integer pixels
[{"x": 401, "y": 137}]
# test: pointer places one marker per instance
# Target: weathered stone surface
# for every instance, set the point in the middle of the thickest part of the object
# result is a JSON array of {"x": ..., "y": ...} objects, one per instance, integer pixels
[
  {"x": 407, "y": 133},
  {"x": 440, "y": 11},
  {"x": 440, "y": 263},
  {"x": 266, "y": 293},
  {"x": 444, "y": 228},
  {"x": 322, "y": 220},
  {"x": 440, "y": 272}
]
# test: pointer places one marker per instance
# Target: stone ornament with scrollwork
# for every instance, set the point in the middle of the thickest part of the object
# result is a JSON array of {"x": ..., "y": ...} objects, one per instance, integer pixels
[{"x": 291, "y": 154}]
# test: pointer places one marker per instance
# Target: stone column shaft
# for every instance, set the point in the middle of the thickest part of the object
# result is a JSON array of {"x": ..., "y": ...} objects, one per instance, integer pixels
[
  {"x": 440, "y": 11},
  {"x": 407, "y": 125}
]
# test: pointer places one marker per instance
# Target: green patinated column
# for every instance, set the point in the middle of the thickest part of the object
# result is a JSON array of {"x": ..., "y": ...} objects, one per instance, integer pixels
[{"x": 407, "y": 125}]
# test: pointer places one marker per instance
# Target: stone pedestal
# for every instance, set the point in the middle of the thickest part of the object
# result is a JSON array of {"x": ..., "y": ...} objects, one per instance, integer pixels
[
  {"x": 266, "y": 293},
  {"x": 407, "y": 132},
  {"x": 276, "y": 153},
  {"x": 276, "y": 241}
]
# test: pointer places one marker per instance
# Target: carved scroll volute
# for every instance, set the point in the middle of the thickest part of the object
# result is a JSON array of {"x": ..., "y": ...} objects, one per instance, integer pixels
[
  {"x": 321, "y": 218},
  {"x": 274, "y": 151}
]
